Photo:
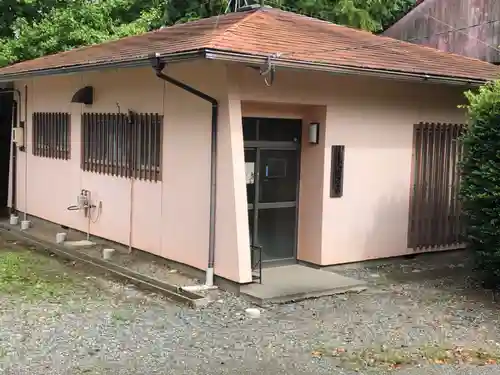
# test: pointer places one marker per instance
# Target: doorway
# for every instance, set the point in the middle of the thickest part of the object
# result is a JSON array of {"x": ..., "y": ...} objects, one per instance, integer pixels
[
  {"x": 7, "y": 111},
  {"x": 272, "y": 156}
]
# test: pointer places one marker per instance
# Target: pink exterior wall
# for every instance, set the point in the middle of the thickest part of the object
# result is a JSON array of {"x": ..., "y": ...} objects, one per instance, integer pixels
[
  {"x": 372, "y": 118},
  {"x": 169, "y": 218}
]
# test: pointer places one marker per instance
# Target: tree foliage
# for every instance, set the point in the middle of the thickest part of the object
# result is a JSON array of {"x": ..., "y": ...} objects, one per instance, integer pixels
[
  {"x": 32, "y": 28},
  {"x": 480, "y": 190},
  {"x": 371, "y": 15}
]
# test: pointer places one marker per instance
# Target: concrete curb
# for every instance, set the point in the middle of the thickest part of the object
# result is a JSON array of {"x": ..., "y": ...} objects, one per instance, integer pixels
[{"x": 121, "y": 273}]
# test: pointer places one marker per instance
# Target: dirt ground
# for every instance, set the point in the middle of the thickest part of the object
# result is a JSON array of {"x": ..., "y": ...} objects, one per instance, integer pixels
[{"x": 419, "y": 316}]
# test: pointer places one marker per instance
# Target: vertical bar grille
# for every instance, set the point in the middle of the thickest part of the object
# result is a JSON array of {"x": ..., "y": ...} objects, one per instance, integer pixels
[
  {"x": 337, "y": 172},
  {"x": 435, "y": 214},
  {"x": 51, "y": 135},
  {"x": 123, "y": 145}
]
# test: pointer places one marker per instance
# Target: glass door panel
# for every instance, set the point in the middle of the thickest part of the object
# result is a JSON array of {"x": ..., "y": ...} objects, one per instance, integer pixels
[
  {"x": 250, "y": 174},
  {"x": 276, "y": 233},
  {"x": 278, "y": 176},
  {"x": 272, "y": 177}
]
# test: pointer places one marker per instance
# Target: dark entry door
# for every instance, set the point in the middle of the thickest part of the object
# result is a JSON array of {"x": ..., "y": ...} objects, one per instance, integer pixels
[
  {"x": 7, "y": 110},
  {"x": 272, "y": 173}
]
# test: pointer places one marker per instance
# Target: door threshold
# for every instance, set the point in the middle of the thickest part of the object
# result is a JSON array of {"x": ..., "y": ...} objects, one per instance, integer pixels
[{"x": 278, "y": 263}]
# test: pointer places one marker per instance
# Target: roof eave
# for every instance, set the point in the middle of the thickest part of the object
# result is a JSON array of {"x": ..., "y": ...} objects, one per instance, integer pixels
[
  {"x": 250, "y": 59},
  {"x": 131, "y": 63}
]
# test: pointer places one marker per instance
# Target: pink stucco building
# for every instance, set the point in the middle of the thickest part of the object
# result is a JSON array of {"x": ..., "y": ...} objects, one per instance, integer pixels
[{"x": 302, "y": 137}]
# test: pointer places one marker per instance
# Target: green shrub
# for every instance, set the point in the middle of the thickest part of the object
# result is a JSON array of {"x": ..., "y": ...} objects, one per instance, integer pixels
[{"x": 480, "y": 188}]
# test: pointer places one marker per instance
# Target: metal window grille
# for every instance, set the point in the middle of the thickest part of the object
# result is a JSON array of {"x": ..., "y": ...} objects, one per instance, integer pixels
[
  {"x": 435, "y": 213},
  {"x": 124, "y": 145},
  {"x": 51, "y": 135},
  {"x": 337, "y": 171}
]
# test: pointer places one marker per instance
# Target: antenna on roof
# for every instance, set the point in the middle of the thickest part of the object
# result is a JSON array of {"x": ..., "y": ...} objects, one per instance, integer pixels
[
  {"x": 244, "y": 5},
  {"x": 235, "y": 5}
]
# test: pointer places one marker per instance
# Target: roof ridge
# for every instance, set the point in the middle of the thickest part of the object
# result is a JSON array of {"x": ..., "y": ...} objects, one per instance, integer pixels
[
  {"x": 219, "y": 38},
  {"x": 159, "y": 30},
  {"x": 389, "y": 43}
]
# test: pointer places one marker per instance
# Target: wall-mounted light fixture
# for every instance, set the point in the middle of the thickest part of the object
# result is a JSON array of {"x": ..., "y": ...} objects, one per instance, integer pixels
[{"x": 314, "y": 133}]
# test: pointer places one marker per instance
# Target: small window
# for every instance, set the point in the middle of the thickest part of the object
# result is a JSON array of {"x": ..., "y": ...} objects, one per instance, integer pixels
[
  {"x": 125, "y": 145},
  {"x": 51, "y": 135},
  {"x": 281, "y": 130},
  {"x": 271, "y": 129},
  {"x": 337, "y": 172},
  {"x": 276, "y": 168},
  {"x": 249, "y": 129}
]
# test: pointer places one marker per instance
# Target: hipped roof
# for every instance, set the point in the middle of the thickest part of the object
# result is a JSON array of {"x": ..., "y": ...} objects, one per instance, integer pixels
[{"x": 264, "y": 32}]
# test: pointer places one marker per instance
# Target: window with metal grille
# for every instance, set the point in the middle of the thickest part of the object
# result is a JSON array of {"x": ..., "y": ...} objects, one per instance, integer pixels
[
  {"x": 51, "y": 135},
  {"x": 125, "y": 145},
  {"x": 435, "y": 215}
]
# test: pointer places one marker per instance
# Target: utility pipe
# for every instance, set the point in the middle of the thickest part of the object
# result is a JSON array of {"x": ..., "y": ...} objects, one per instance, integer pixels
[
  {"x": 158, "y": 66},
  {"x": 26, "y": 153}
]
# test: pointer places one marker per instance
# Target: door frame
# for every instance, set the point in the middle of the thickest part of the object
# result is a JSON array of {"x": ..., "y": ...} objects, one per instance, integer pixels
[{"x": 271, "y": 145}]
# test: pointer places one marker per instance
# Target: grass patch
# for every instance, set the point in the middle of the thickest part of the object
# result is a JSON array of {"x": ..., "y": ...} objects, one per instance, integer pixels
[
  {"x": 379, "y": 357},
  {"x": 394, "y": 358},
  {"x": 27, "y": 274},
  {"x": 442, "y": 354}
]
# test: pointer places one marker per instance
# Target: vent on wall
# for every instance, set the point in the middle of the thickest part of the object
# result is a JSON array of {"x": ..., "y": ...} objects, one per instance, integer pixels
[
  {"x": 85, "y": 96},
  {"x": 337, "y": 171}
]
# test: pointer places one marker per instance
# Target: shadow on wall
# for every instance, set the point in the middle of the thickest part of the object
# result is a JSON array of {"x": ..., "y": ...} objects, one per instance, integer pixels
[{"x": 389, "y": 231}]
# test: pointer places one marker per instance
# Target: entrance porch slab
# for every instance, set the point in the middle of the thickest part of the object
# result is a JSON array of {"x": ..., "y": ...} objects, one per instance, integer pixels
[{"x": 297, "y": 282}]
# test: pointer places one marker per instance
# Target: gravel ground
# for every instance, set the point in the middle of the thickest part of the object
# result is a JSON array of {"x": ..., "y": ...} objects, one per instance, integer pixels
[{"x": 95, "y": 326}]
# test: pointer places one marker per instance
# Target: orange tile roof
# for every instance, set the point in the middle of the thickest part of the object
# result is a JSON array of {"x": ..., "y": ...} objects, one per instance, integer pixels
[{"x": 266, "y": 31}]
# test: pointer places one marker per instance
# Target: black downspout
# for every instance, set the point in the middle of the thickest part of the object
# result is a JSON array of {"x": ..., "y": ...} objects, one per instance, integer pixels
[
  {"x": 15, "y": 118},
  {"x": 158, "y": 66}
]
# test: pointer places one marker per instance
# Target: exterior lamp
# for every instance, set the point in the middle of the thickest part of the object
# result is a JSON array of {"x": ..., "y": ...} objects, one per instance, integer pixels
[{"x": 313, "y": 133}]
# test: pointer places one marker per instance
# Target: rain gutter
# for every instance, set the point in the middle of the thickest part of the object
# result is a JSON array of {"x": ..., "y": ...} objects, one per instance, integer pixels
[
  {"x": 259, "y": 60},
  {"x": 80, "y": 68},
  {"x": 250, "y": 59}
]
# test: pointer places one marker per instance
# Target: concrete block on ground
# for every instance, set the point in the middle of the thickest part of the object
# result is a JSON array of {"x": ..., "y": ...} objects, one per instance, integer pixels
[
  {"x": 81, "y": 243},
  {"x": 297, "y": 282}
]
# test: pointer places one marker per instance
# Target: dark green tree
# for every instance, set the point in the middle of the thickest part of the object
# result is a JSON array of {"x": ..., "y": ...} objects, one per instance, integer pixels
[
  {"x": 480, "y": 189},
  {"x": 371, "y": 15},
  {"x": 79, "y": 23},
  {"x": 34, "y": 10}
]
